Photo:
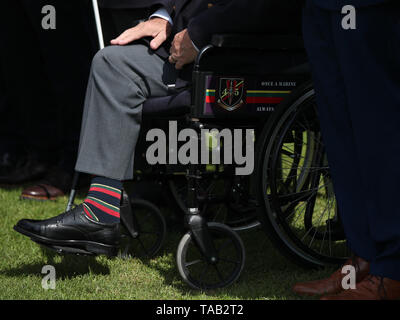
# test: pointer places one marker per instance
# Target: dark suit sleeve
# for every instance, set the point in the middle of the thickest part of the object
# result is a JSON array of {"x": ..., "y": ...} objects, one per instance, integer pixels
[
  {"x": 169, "y": 5},
  {"x": 244, "y": 16}
]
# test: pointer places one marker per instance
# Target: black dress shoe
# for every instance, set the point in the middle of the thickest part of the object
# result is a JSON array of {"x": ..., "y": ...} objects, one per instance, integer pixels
[{"x": 74, "y": 232}]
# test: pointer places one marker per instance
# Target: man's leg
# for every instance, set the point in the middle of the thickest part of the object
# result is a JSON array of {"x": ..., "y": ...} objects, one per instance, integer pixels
[
  {"x": 369, "y": 63},
  {"x": 25, "y": 83},
  {"x": 121, "y": 79},
  {"x": 337, "y": 130},
  {"x": 370, "y": 56},
  {"x": 67, "y": 74}
]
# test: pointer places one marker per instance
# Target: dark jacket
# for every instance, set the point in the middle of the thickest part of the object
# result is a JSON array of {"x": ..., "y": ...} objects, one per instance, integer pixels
[
  {"x": 129, "y": 4},
  {"x": 203, "y": 18}
]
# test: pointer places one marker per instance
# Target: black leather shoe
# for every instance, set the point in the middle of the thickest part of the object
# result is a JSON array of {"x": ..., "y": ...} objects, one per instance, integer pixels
[{"x": 74, "y": 232}]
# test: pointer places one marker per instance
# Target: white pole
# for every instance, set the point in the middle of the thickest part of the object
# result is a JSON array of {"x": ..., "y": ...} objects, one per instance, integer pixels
[{"x": 98, "y": 23}]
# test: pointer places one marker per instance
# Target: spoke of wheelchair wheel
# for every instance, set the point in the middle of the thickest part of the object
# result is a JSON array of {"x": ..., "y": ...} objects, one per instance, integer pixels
[
  {"x": 304, "y": 204},
  {"x": 300, "y": 195},
  {"x": 322, "y": 242},
  {"x": 327, "y": 230},
  {"x": 204, "y": 273},
  {"x": 309, "y": 170},
  {"x": 188, "y": 264},
  {"x": 330, "y": 236},
  {"x": 217, "y": 214},
  {"x": 210, "y": 187},
  {"x": 290, "y": 162},
  {"x": 218, "y": 272},
  {"x": 287, "y": 152},
  {"x": 299, "y": 207},
  {"x": 308, "y": 129},
  {"x": 224, "y": 245},
  {"x": 319, "y": 220},
  {"x": 294, "y": 196},
  {"x": 291, "y": 153},
  {"x": 290, "y": 166},
  {"x": 320, "y": 187},
  {"x": 318, "y": 142},
  {"x": 229, "y": 261},
  {"x": 143, "y": 247}
]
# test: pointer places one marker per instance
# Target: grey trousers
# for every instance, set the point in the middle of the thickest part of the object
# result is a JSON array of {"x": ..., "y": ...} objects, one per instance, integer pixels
[{"x": 121, "y": 79}]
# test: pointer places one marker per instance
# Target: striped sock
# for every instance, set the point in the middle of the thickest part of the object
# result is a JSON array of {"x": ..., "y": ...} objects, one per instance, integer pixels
[{"x": 103, "y": 200}]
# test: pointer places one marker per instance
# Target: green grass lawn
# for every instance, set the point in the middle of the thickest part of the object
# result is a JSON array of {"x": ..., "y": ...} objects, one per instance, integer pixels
[{"x": 267, "y": 275}]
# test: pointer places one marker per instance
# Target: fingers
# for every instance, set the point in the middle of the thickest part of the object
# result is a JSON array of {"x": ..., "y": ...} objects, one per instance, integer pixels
[
  {"x": 157, "y": 28},
  {"x": 129, "y": 36},
  {"x": 158, "y": 41},
  {"x": 179, "y": 63},
  {"x": 172, "y": 59}
]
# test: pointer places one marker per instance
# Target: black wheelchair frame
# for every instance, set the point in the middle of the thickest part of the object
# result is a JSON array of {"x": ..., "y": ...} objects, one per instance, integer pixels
[{"x": 202, "y": 236}]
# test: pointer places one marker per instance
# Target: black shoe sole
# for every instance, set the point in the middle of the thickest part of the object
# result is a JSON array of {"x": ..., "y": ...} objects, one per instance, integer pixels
[
  {"x": 65, "y": 250},
  {"x": 79, "y": 247}
]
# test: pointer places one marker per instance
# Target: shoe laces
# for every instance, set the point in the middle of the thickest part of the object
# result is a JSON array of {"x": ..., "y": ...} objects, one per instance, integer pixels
[{"x": 62, "y": 215}]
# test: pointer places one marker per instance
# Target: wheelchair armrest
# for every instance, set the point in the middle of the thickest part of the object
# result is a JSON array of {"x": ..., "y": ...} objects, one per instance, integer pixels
[{"x": 258, "y": 41}]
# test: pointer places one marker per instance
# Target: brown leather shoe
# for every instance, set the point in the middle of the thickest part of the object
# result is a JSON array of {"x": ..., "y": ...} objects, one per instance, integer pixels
[
  {"x": 42, "y": 192},
  {"x": 55, "y": 184},
  {"x": 371, "y": 288},
  {"x": 333, "y": 284}
]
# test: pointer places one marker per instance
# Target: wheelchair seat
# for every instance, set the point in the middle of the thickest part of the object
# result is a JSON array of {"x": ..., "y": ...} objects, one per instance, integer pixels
[{"x": 172, "y": 106}]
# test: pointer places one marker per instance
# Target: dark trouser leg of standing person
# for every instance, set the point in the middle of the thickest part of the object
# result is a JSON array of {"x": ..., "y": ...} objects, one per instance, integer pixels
[
  {"x": 10, "y": 135},
  {"x": 357, "y": 79},
  {"x": 67, "y": 52},
  {"x": 25, "y": 85}
]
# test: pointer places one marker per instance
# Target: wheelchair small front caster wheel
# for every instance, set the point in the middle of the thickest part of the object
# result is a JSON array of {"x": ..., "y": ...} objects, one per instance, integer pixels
[
  {"x": 151, "y": 235},
  {"x": 200, "y": 274}
]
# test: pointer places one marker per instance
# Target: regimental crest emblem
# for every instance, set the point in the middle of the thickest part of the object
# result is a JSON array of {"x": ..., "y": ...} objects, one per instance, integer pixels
[{"x": 231, "y": 93}]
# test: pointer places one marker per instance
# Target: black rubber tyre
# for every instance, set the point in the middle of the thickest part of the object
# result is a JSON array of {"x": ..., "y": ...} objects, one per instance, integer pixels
[
  {"x": 152, "y": 233},
  {"x": 293, "y": 176},
  {"x": 201, "y": 275}
]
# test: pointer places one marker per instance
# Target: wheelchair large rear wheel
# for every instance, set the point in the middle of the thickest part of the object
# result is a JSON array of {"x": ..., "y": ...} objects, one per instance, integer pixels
[
  {"x": 299, "y": 210},
  {"x": 198, "y": 273}
]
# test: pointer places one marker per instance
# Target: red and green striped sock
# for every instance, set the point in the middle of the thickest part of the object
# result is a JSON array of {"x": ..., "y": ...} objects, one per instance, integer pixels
[{"x": 103, "y": 201}]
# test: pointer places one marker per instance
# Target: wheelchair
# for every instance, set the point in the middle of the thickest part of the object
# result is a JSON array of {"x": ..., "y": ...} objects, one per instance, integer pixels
[{"x": 240, "y": 81}]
